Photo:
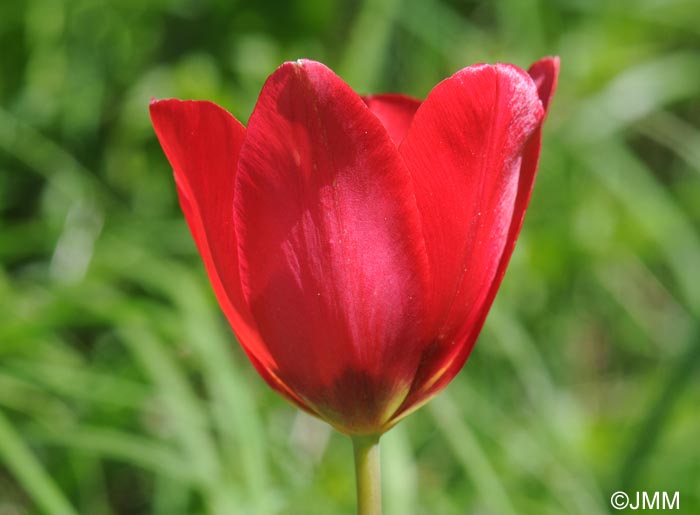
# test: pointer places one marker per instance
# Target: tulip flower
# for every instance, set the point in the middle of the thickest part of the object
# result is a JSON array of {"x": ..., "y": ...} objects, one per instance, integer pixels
[{"x": 354, "y": 243}]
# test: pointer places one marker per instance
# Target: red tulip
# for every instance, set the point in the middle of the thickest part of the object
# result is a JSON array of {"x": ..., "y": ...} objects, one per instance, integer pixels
[{"x": 356, "y": 244}]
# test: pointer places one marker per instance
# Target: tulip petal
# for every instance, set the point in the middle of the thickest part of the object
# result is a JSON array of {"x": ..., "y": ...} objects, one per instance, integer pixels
[
  {"x": 544, "y": 73},
  {"x": 465, "y": 153},
  {"x": 394, "y": 111},
  {"x": 202, "y": 142},
  {"x": 332, "y": 258}
]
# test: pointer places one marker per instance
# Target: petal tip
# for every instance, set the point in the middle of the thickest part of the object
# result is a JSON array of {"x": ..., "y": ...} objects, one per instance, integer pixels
[
  {"x": 545, "y": 74},
  {"x": 299, "y": 64},
  {"x": 159, "y": 104},
  {"x": 549, "y": 64},
  {"x": 154, "y": 104}
]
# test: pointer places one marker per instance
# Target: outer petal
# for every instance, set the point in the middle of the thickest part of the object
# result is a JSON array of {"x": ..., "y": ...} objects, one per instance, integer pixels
[
  {"x": 465, "y": 152},
  {"x": 202, "y": 142},
  {"x": 394, "y": 111},
  {"x": 332, "y": 257},
  {"x": 544, "y": 73}
]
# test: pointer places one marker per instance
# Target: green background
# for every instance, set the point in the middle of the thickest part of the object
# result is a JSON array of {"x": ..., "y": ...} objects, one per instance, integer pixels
[{"x": 122, "y": 390}]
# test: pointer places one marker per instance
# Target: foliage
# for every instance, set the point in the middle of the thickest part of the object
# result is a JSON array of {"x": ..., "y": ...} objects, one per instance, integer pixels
[{"x": 121, "y": 391}]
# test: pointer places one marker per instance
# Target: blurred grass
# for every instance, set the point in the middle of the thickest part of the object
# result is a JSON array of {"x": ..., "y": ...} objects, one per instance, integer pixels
[{"x": 121, "y": 390}]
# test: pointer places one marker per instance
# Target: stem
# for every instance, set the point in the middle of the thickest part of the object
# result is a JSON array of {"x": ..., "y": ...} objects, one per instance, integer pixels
[{"x": 367, "y": 475}]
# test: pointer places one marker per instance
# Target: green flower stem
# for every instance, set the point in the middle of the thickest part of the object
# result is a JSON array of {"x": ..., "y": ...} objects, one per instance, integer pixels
[{"x": 367, "y": 475}]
